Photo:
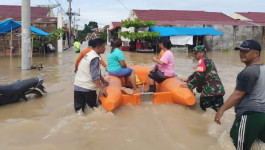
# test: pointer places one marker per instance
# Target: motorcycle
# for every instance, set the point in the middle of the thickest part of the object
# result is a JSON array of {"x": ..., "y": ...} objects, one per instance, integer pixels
[{"x": 22, "y": 89}]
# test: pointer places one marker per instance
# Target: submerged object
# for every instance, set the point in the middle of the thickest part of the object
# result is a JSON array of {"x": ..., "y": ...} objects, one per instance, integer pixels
[
  {"x": 169, "y": 91},
  {"x": 22, "y": 89}
]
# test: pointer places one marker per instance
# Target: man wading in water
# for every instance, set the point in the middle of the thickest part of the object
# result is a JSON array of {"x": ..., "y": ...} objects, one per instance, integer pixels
[
  {"x": 248, "y": 99},
  {"x": 206, "y": 81}
]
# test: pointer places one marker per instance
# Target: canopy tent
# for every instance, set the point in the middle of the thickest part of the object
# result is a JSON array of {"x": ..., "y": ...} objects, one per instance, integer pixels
[
  {"x": 11, "y": 25},
  {"x": 195, "y": 31}
]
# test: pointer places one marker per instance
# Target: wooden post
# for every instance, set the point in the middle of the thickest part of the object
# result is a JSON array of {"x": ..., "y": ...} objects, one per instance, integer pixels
[
  {"x": 19, "y": 46},
  {"x": 11, "y": 40},
  {"x": 31, "y": 46},
  {"x": 212, "y": 42},
  {"x": 156, "y": 44},
  {"x": 197, "y": 41},
  {"x": 4, "y": 45},
  {"x": 221, "y": 43}
]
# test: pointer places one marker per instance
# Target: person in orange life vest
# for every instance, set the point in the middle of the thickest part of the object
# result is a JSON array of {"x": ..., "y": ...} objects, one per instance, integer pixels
[
  {"x": 165, "y": 67},
  {"x": 84, "y": 52},
  {"x": 88, "y": 79},
  {"x": 160, "y": 44}
]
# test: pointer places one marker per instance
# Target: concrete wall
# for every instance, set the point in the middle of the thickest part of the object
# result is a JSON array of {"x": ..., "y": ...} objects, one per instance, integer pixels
[{"x": 233, "y": 35}]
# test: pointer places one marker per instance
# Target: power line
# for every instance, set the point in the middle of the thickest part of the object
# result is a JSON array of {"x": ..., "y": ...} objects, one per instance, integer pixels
[
  {"x": 123, "y": 5},
  {"x": 60, "y": 6}
]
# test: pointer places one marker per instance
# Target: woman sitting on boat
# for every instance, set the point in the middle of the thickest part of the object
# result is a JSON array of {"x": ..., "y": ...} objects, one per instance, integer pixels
[
  {"x": 117, "y": 66},
  {"x": 164, "y": 68}
]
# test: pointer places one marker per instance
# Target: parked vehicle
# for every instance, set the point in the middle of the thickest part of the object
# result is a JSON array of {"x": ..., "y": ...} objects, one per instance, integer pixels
[{"x": 21, "y": 90}]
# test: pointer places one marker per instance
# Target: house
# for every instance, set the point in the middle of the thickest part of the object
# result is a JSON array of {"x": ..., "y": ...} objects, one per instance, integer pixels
[
  {"x": 234, "y": 31},
  {"x": 41, "y": 18},
  {"x": 112, "y": 31},
  {"x": 257, "y": 18}
]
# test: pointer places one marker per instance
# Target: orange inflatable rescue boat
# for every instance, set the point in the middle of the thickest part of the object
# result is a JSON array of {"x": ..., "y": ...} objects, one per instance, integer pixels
[{"x": 169, "y": 91}]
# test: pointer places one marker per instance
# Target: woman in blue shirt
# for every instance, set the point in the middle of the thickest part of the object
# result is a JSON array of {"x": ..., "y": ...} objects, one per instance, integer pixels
[{"x": 117, "y": 66}]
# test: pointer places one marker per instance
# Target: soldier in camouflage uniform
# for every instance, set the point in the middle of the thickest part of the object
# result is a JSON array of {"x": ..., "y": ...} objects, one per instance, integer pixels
[{"x": 206, "y": 81}]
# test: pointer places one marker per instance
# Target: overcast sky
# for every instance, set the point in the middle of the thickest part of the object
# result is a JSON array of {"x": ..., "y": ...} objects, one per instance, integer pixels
[{"x": 106, "y": 11}]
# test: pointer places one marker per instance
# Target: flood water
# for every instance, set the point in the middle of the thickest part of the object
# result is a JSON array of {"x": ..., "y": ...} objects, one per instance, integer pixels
[{"x": 50, "y": 122}]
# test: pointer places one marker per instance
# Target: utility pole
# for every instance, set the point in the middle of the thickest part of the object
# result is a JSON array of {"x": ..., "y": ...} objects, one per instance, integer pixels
[
  {"x": 26, "y": 38},
  {"x": 74, "y": 26},
  {"x": 70, "y": 20},
  {"x": 60, "y": 26},
  {"x": 70, "y": 14}
]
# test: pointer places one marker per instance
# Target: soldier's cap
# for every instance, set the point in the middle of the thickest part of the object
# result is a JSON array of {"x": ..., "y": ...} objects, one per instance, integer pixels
[
  {"x": 199, "y": 48},
  {"x": 249, "y": 45}
]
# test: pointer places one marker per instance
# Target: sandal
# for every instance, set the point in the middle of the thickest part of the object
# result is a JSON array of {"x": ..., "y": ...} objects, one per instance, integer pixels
[{"x": 127, "y": 90}]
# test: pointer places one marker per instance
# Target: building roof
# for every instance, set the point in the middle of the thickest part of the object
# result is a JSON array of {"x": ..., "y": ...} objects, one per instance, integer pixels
[
  {"x": 187, "y": 17},
  {"x": 14, "y": 12},
  {"x": 116, "y": 24},
  {"x": 256, "y": 17}
]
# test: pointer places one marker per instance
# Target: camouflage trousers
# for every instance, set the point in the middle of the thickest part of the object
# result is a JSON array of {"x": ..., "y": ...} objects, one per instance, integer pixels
[{"x": 215, "y": 102}]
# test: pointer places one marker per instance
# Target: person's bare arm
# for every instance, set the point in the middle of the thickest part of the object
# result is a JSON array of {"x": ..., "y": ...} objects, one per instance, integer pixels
[
  {"x": 235, "y": 97},
  {"x": 101, "y": 89},
  {"x": 158, "y": 61},
  {"x": 123, "y": 64}
]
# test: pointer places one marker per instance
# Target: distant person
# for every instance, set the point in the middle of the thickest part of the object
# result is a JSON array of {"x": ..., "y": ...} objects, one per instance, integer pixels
[
  {"x": 118, "y": 67},
  {"x": 139, "y": 45},
  {"x": 88, "y": 77},
  {"x": 132, "y": 45},
  {"x": 248, "y": 99},
  {"x": 206, "y": 81},
  {"x": 77, "y": 46},
  {"x": 111, "y": 42},
  {"x": 165, "y": 67},
  {"x": 147, "y": 45},
  {"x": 84, "y": 52}
]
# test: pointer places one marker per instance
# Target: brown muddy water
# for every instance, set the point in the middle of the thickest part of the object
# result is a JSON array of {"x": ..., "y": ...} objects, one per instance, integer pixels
[{"x": 50, "y": 122}]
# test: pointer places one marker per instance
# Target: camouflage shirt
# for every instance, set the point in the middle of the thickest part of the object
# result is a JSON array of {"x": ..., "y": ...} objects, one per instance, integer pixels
[{"x": 207, "y": 77}]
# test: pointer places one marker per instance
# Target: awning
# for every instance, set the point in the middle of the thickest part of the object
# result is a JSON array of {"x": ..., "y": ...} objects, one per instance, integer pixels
[
  {"x": 173, "y": 31},
  {"x": 5, "y": 28}
]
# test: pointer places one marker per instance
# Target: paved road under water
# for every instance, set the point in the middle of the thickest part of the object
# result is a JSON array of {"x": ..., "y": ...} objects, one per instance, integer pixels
[{"x": 50, "y": 122}]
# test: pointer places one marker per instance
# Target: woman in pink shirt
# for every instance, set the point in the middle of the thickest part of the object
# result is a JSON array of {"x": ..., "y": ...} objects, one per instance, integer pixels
[{"x": 165, "y": 66}]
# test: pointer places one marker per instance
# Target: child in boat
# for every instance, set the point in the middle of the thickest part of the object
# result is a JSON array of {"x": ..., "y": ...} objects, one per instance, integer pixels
[
  {"x": 118, "y": 67},
  {"x": 84, "y": 52},
  {"x": 165, "y": 66}
]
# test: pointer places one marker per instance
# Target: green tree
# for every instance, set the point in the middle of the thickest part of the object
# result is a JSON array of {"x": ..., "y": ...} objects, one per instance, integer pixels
[
  {"x": 137, "y": 23},
  {"x": 55, "y": 35},
  {"x": 103, "y": 34},
  {"x": 88, "y": 28}
]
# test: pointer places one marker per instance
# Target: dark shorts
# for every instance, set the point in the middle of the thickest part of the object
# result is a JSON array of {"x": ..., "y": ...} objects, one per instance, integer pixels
[
  {"x": 81, "y": 98},
  {"x": 215, "y": 102},
  {"x": 157, "y": 76},
  {"x": 123, "y": 72},
  {"x": 246, "y": 129}
]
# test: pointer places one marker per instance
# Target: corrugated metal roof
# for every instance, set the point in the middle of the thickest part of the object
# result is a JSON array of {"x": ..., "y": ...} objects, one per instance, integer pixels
[
  {"x": 187, "y": 17},
  {"x": 116, "y": 24},
  {"x": 257, "y": 17},
  {"x": 15, "y": 11}
]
